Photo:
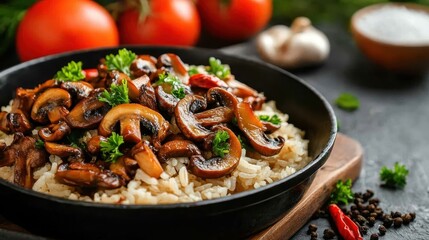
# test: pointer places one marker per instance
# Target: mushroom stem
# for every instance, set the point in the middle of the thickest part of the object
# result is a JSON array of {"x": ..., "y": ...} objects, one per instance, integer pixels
[
  {"x": 146, "y": 159},
  {"x": 299, "y": 25}
]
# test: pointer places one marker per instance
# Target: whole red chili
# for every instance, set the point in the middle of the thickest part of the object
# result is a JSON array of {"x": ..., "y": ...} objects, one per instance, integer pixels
[{"x": 347, "y": 228}]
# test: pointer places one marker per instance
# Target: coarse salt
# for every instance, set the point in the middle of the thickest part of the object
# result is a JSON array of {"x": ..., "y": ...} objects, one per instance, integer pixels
[{"x": 396, "y": 25}]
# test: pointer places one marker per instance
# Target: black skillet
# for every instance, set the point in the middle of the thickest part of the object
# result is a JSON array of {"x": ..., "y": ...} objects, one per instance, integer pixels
[{"x": 232, "y": 217}]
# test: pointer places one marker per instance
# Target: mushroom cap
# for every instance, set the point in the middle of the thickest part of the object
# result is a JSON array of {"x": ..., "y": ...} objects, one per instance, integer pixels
[
  {"x": 47, "y": 101},
  {"x": 150, "y": 119}
]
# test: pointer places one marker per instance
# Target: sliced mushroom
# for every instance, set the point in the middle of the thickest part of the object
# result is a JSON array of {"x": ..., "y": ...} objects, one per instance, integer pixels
[
  {"x": 218, "y": 166},
  {"x": 26, "y": 157},
  {"x": 177, "y": 148},
  {"x": 120, "y": 169},
  {"x": 254, "y": 129},
  {"x": 88, "y": 112},
  {"x": 166, "y": 102},
  {"x": 50, "y": 104},
  {"x": 185, "y": 118},
  {"x": 130, "y": 116},
  {"x": 93, "y": 144},
  {"x": 87, "y": 175},
  {"x": 146, "y": 159},
  {"x": 271, "y": 127},
  {"x": 116, "y": 77},
  {"x": 18, "y": 118},
  {"x": 143, "y": 65},
  {"x": 74, "y": 154},
  {"x": 141, "y": 91},
  {"x": 81, "y": 89},
  {"x": 54, "y": 132},
  {"x": 172, "y": 62}
]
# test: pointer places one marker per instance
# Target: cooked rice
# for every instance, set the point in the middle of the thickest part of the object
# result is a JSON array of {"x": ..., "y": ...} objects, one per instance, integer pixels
[{"x": 176, "y": 184}]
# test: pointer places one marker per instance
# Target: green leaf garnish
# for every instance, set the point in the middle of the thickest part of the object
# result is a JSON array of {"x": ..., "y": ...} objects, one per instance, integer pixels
[
  {"x": 347, "y": 102},
  {"x": 121, "y": 61},
  {"x": 70, "y": 73},
  {"x": 220, "y": 143},
  {"x": 396, "y": 177},
  {"x": 218, "y": 69},
  {"x": 178, "y": 90},
  {"x": 40, "y": 144},
  {"x": 342, "y": 192},
  {"x": 74, "y": 138},
  {"x": 274, "y": 119},
  {"x": 110, "y": 148},
  {"x": 118, "y": 94},
  {"x": 193, "y": 70}
]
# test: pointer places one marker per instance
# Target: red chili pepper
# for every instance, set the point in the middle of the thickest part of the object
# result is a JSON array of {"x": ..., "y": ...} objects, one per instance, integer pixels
[
  {"x": 90, "y": 73},
  {"x": 206, "y": 81},
  {"x": 347, "y": 228}
]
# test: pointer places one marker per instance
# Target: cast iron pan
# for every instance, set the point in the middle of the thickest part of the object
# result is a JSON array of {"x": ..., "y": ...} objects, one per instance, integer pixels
[{"x": 232, "y": 217}]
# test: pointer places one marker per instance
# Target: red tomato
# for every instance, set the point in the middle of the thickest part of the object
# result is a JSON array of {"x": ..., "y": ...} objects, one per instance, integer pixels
[
  {"x": 55, "y": 26},
  {"x": 169, "y": 22},
  {"x": 234, "y": 19}
]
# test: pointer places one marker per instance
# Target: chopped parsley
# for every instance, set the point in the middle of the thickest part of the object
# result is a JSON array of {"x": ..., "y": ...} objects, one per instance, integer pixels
[
  {"x": 70, "y": 73},
  {"x": 396, "y": 177},
  {"x": 118, "y": 94},
  {"x": 342, "y": 192},
  {"x": 120, "y": 61},
  {"x": 347, "y": 101},
  {"x": 40, "y": 144},
  {"x": 218, "y": 69},
  {"x": 110, "y": 148},
  {"x": 178, "y": 90},
  {"x": 220, "y": 143},
  {"x": 74, "y": 138},
  {"x": 274, "y": 119},
  {"x": 193, "y": 70}
]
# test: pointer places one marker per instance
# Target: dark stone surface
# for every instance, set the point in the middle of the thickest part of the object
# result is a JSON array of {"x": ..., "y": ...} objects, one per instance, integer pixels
[{"x": 391, "y": 124}]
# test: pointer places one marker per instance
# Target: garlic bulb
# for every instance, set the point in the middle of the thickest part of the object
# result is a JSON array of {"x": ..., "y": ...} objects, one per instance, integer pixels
[{"x": 301, "y": 45}]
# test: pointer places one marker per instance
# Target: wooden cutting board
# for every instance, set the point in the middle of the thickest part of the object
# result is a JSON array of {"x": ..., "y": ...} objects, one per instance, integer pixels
[{"x": 344, "y": 162}]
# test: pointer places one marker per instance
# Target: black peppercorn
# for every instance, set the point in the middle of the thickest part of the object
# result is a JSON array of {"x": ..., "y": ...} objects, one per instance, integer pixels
[
  {"x": 371, "y": 207},
  {"x": 397, "y": 222},
  {"x": 360, "y": 219},
  {"x": 328, "y": 234},
  {"x": 396, "y": 214},
  {"x": 371, "y": 221},
  {"x": 406, "y": 218},
  {"x": 382, "y": 230},
  {"x": 364, "y": 230},
  {"x": 353, "y": 207},
  {"x": 387, "y": 221},
  {"x": 374, "y": 215},
  {"x": 311, "y": 228},
  {"x": 365, "y": 213},
  {"x": 313, "y": 235},
  {"x": 413, "y": 216},
  {"x": 374, "y": 236},
  {"x": 374, "y": 201}
]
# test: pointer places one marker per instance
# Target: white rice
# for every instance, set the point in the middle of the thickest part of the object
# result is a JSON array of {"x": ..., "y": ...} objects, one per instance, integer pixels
[{"x": 176, "y": 184}]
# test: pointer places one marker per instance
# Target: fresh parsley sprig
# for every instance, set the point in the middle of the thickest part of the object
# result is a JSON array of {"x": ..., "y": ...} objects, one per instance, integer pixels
[
  {"x": 70, "y": 73},
  {"x": 40, "y": 144},
  {"x": 218, "y": 69},
  {"x": 342, "y": 192},
  {"x": 394, "y": 178},
  {"x": 347, "y": 101},
  {"x": 274, "y": 119},
  {"x": 220, "y": 143},
  {"x": 120, "y": 61},
  {"x": 118, "y": 94},
  {"x": 193, "y": 70},
  {"x": 110, "y": 148},
  {"x": 178, "y": 90}
]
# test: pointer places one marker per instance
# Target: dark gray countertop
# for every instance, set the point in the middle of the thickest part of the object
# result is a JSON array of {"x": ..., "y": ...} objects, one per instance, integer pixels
[{"x": 391, "y": 124}]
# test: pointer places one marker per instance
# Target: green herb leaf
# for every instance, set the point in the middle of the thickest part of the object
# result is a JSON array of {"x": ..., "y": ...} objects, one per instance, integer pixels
[
  {"x": 70, "y": 73},
  {"x": 178, "y": 90},
  {"x": 74, "y": 138},
  {"x": 121, "y": 61},
  {"x": 220, "y": 143},
  {"x": 118, "y": 94},
  {"x": 342, "y": 192},
  {"x": 218, "y": 69},
  {"x": 396, "y": 177},
  {"x": 40, "y": 144},
  {"x": 347, "y": 102},
  {"x": 274, "y": 119},
  {"x": 110, "y": 148},
  {"x": 193, "y": 70}
]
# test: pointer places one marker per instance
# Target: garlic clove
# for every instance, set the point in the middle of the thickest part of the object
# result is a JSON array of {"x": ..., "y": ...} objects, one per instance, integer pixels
[{"x": 302, "y": 45}]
